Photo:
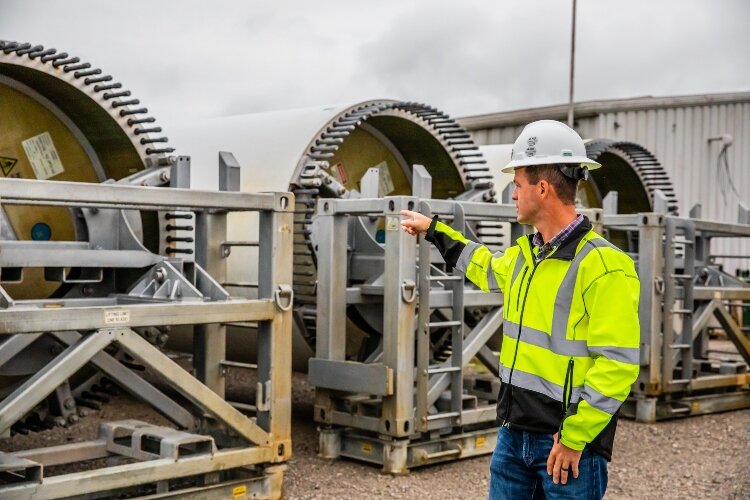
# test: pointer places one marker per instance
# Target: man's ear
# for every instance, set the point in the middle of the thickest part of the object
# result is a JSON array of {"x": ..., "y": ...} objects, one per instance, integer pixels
[{"x": 544, "y": 188}]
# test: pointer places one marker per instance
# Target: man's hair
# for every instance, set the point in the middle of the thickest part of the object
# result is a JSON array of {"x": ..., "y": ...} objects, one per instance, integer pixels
[{"x": 565, "y": 187}]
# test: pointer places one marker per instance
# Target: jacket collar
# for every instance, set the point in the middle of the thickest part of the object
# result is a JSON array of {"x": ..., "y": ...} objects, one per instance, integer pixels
[{"x": 566, "y": 250}]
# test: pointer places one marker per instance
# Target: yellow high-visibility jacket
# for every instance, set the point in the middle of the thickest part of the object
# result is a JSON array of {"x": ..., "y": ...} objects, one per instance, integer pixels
[{"x": 571, "y": 336}]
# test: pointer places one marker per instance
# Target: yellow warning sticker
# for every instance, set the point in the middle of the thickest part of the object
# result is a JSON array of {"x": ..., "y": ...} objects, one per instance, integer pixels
[
  {"x": 367, "y": 447},
  {"x": 7, "y": 165},
  {"x": 479, "y": 442},
  {"x": 239, "y": 491}
]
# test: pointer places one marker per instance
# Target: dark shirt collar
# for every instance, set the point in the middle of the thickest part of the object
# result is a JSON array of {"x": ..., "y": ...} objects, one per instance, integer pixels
[
  {"x": 566, "y": 248},
  {"x": 545, "y": 249}
]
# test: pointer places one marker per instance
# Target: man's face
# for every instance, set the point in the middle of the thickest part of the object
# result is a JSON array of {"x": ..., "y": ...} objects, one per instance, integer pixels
[{"x": 526, "y": 196}]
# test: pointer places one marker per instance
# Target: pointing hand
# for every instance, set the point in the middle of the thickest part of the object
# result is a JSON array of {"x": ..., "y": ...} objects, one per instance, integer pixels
[{"x": 415, "y": 223}]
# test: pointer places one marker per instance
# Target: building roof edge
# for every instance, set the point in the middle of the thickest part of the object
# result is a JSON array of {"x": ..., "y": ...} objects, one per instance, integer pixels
[{"x": 591, "y": 108}]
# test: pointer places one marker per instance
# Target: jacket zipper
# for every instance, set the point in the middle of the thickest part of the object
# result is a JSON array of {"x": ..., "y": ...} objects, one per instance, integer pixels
[
  {"x": 518, "y": 341},
  {"x": 518, "y": 298},
  {"x": 567, "y": 394}
]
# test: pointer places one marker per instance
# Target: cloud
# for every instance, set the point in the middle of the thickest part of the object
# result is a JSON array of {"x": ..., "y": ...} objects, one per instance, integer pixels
[
  {"x": 472, "y": 57},
  {"x": 189, "y": 58},
  {"x": 511, "y": 55},
  {"x": 662, "y": 48}
]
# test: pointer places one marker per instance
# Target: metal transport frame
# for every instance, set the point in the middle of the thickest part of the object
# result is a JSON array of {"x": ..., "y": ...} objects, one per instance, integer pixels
[
  {"x": 682, "y": 292},
  {"x": 402, "y": 408},
  {"x": 214, "y": 447}
]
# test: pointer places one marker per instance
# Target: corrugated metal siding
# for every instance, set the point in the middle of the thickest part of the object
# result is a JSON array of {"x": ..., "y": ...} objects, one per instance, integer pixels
[{"x": 678, "y": 137}]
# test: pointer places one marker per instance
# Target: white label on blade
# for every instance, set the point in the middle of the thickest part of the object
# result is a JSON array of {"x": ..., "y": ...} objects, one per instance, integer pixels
[
  {"x": 385, "y": 181},
  {"x": 43, "y": 156},
  {"x": 116, "y": 317}
]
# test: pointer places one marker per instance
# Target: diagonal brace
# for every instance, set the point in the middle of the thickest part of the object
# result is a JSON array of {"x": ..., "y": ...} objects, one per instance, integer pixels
[
  {"x": 38, "y": 387},
  {"x": 703, "y": 315},
  {"x": 15, "y": 344},
  {"x": 134, "y": 384},
  {"x": 489, "y": 360},
  {"x": 479, "y": 336},
  {"x": 734, "y": 332},
  {"x": 190, "y": 388}
]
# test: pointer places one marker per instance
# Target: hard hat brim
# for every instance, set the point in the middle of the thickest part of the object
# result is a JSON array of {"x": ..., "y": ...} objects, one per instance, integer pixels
[{"x": 550, "y": 160}]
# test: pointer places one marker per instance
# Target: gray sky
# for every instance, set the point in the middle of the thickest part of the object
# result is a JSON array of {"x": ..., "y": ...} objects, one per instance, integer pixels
[{"x": 191, "y": 58}]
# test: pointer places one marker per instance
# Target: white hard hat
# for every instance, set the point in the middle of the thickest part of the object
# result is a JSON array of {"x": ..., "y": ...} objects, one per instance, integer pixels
[{"x": 548, "y": 142}]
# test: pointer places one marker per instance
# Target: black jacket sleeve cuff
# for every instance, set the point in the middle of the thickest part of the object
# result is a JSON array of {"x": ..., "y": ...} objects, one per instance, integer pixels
[
  {"x": 430, "y": 236},
  {"x": 449, "y": 248}
]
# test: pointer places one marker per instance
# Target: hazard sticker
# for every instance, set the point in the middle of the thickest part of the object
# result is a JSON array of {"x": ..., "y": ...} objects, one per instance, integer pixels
[
  {"x": 341, "y": 173},
  {"x": 7, "y": 165},
  {"x": 43, "y": 156}
]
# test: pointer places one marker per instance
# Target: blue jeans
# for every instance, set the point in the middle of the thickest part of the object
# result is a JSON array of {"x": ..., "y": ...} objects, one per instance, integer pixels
[{"x": 518, "y": 470}]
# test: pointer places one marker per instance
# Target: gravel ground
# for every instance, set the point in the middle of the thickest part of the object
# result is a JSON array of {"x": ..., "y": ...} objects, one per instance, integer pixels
[{"x": 700, "y": 457}]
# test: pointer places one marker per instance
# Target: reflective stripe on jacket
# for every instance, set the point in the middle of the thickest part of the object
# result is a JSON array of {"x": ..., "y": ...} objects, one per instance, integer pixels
[{"x": 580, "y": 303}]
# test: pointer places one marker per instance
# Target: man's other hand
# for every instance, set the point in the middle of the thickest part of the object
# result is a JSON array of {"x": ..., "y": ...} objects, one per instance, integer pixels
[
  {"x": 415, "y": 223},
  {"x": 562, "y": 462}
]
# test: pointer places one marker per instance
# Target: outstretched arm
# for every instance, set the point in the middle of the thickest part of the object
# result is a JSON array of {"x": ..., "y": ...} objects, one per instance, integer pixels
[{"x": 486, "y": 270}]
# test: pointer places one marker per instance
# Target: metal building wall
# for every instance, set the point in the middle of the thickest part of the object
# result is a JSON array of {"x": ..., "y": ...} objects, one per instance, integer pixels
[{"x": 677, "y": 130}]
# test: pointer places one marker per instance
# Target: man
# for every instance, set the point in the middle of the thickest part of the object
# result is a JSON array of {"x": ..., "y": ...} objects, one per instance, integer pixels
[{"x": 570, "y": 324}]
